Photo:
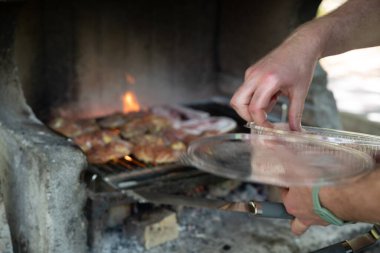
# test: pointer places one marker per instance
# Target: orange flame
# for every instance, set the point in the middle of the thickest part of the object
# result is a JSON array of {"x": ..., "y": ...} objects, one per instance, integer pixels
[
  {"x": 130, "y": 103},
  {"x": 128, "y": 158}
]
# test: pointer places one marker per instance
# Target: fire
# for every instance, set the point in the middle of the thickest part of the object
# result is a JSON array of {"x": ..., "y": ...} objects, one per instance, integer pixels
[
  {"x": 130, "y": 103},
  {"x": 128, "y": 158}
]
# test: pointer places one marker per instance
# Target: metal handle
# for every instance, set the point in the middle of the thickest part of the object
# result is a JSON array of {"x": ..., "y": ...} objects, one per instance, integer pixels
[
  {"x": 340, "y": 247},
  {"x": 355, "y": 245},
  {"x": 270, "y": 210}
]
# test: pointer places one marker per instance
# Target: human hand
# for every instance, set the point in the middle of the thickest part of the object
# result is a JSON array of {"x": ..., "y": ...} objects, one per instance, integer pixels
[
  {"x": 298, "y": 202},
  {"x": 287, "y": 71},
  {"x": 352, "y": 201}
]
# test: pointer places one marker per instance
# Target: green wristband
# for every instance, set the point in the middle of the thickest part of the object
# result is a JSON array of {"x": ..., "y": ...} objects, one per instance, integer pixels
[{"x": 325, "y": 214}]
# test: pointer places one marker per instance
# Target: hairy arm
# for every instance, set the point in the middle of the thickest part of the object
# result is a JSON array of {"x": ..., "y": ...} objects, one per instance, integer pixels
[
  {"x": 356, "y": 201},
  {"x": 288, "y": 69},
  {"x": 356, "y": 24}
]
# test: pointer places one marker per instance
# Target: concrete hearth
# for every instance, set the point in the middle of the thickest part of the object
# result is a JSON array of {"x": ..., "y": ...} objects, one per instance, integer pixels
[
  {"x": 39, "y": 171},
  {"x": 210, "y": 231}
]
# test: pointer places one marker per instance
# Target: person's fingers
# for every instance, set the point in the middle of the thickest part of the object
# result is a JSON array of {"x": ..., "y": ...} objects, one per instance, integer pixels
[
  {"x": 259, "y": 116},
  {"x": 242, "y": 98},
  {"x": 262, "y": 100},
  {"x": 240, "y": 102},
  {"x": 298, "y": 227},
  {"x": 295, "y": 111},
  {"x": 272, "y": 102}
]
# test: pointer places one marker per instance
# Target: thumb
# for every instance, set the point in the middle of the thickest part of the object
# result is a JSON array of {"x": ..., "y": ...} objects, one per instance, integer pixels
[
  {"x": 295, "y": 112},
  {"x": 297, "y": 227}
]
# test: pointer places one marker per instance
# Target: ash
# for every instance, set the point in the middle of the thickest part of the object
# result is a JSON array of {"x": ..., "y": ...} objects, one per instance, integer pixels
[{"x": 211, "y": 231}]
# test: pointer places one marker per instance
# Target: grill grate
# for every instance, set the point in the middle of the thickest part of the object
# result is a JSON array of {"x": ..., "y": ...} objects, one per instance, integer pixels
[
  {"x": 128, "y": 172},
  {"x": 122, "y": 174}
]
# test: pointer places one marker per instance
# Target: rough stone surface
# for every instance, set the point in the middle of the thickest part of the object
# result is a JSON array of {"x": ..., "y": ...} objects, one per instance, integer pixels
[
  {"x": 210, "y": 231},
  {"x": 117, "y": 214},
  {"x": 5, "y": 236},
  {"x": 39, "y": 171},
  {"x": 42, "y": 193}
]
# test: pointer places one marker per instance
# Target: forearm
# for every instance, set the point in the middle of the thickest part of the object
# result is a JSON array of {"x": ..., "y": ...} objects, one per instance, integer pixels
[
  {"x": 357, "y": 201},
  {"x": 356, "y": 24}
]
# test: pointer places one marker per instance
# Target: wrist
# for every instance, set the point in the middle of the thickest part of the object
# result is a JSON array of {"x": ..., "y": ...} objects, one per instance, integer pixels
[
  {"x": 324, "y": 213},
  {"x": 354, "y": 201},
  {"x": 337, "y": 202}
]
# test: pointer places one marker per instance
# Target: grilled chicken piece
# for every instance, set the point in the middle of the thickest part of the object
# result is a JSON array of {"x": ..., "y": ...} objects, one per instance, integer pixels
[
  {"x": 111, "y": 151},
  {"x": 149, "y": 124},
  {"x": 158, "y": 154},
  {"x": 161, "y": 147},
  {"x": 119, "y": 119},
  {"x": 156, "y": 136},
  {"x": 97, "y": 138},
  {"x": 154, "y": 139},
  {"x": 113, "y": 121},
  {"x": 149, "y": 139},
  {"x": 72, "y": 128}
]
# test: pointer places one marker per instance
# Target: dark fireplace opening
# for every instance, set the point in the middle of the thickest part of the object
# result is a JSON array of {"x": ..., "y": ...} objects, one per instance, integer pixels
[{"x": 83, "y": 55}]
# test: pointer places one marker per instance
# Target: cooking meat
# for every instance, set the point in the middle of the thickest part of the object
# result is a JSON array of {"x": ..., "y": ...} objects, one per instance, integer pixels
[
  {"x": 179, "y": 113},
  {"x": 149, "y": 124},
  {"x": 133, "y": 129},
  {"x": 158, "y": 154},
  {"x": 119, "y": 119},
  {"x": 111, "y": 151},
  {"x": 201, "y": 126},
  {"x": 97, "y": 138},
  {"x": 149, "y": 139},
  {"x": 164, "y": 137},
  {"x": 155, "y": 136},
  {"x": 156, "y": 123},
  {"x": 113, "y": 121},
  {"x": 72, "y": 128},
  {"x": 161, "y": 147}
]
